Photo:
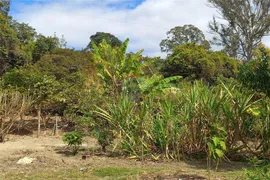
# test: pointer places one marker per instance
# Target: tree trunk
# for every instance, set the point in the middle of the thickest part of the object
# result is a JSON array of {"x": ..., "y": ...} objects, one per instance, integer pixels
[
  {"x": 1, "y": 138},
  {"x": 38, "y": 113},
  {"x": 1, "y": 129},
  {"x": 104, "y": 148}
]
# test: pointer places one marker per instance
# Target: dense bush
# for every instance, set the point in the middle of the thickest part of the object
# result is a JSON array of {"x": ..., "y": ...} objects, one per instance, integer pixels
[
  {"x": 193, "y": 61},
  {"x": 256, "y": 74},
  {"x": 66, "y": 65},
  {"x": 196, "y": 119},
  {"x": 61, "y": 81}
]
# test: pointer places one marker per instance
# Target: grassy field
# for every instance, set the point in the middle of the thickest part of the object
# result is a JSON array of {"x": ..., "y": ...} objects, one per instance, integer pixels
[{"x": 120, "y": 173}]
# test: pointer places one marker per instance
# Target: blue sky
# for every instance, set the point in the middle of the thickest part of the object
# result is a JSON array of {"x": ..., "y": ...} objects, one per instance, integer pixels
[
  {"x": 145, "y": 22},
  {"x": 129, "y": 4}
]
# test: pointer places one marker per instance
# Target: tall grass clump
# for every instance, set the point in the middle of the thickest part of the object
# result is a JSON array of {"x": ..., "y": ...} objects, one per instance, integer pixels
[
  {"x": 12, "y": 105},
  {"x": 197, "y": 119}
]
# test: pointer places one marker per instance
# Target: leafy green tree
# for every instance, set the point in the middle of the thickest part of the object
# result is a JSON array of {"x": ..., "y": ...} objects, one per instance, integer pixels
[
  {"x": 42, "y": 88},
  {"x": 4, "y": 7},
  {"x": 28, "y": 80},
  {"x": 73, "y": 75},
  {"x": 98, "y": 38},
  {"x": 183, "y": 34},
  {"x": 28, "y": 50},
  {"x": 256, "y": 73},
  {"x": 64, "y": 63},
  {"x": 115, "y": 65},
  {"x": 44, "y": 45},
  {"x": 193, "y": 61},
  {"x": 12, "y": 36},
  {"x": 8, "y": 44},
  {"x": 246, "y": 22},
  {"x": 25, "y": 33}
]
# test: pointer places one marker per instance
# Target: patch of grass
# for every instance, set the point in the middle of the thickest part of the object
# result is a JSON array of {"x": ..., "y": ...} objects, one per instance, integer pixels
[
  {"x": 51, "y": 175},
  {"x": 117, "y": 173},
  {"x": 98, "y": 173}
]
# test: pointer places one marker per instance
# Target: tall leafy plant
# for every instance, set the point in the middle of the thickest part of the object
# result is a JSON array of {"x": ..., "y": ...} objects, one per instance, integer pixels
[{"x": 115, "y": 65}]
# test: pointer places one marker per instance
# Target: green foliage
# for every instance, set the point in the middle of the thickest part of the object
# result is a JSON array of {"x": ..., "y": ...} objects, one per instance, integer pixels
[
  {"x": 100, "y": 36},
  {"x": 195, "y": 62},
  {"x": 123, "y": 74},
  {"x": 217, "y": 144},
  {"x": 261, "y": 170},
  {"x": 44, "y": 45},
  {"x": 65, "y": 65},
  {"x": 14, "y": 36},
  {"x": 154, "y": 66},
  {"x": 180, "y": 35},
  {"x": 185, "y": 119},
  {"x": 63, "y": 82},
  {"x": 73, "y": 139},
  {"x": 8, "y": 43},
  {"x": 44, "y": 90},
  {"x": 128, "y": 122},
  {"x": 25, "y": 33},
  {"x": 4, "y": 7},
  {"x": 156, "y": 84},
  {"x": 115, "y": 66},
  {"x": 40, "y": 86},
  {"x": 197, "y": 118},
  {"x": 116, "y": 172},
  {"x": 256, "y": 74},
  {"x": 262, "y": 173},
  {"x": 104, "y": 136},
  {"x": 28, "y": 50}
]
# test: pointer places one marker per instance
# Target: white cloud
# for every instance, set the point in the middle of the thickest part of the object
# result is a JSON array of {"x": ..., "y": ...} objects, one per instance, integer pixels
[{"x": 146, "y": 25}]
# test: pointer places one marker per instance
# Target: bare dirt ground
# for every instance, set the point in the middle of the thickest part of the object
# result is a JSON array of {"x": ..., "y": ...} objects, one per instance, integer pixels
[{"x": 52, "y": 157}]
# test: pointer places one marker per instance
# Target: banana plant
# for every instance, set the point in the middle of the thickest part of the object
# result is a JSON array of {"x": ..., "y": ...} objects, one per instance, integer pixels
[
  {"x": 156, "y": 83},
  {"x": 115, "y": 65}
]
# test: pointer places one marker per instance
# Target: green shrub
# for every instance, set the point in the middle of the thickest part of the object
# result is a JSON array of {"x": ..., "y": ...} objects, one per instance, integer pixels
[
  {"x": 73, "y": 139},
  {"x": 261, "y": 170},
  {"x": 259, "y": 173},
  {"x": 256, "y": 74},
  {"x": 193, "y": 61}
]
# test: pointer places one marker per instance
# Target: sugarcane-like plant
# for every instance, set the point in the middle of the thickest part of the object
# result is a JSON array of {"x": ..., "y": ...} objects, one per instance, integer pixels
[{"x": 12, "y": 105}]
